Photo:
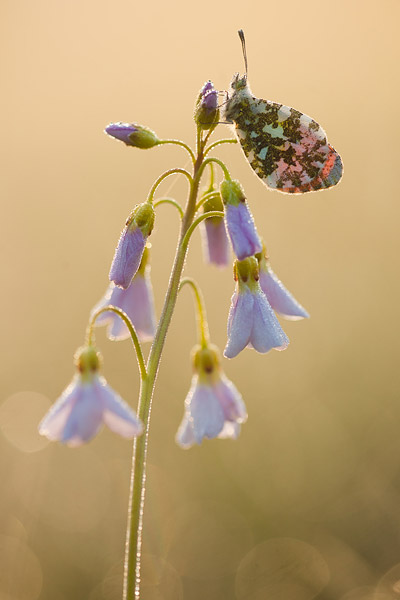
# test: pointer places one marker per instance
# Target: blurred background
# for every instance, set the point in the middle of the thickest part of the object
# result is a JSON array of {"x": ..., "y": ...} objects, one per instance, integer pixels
[{"x": 306, "y": 503}]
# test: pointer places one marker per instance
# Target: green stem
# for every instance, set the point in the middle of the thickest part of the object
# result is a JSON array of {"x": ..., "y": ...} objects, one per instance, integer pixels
[
  {"x": 203, "y": 217},
  {"x": 218, "y": 143},
  {"x": 201, "y": 312},
  {"x": 128, "y": 323},
  {"x": 217, "y": 162},
  {"x": 138, "y": 478},
  {"x": 164, "y": 176},
  {"x": 179, "y": 143},
  {"x": 169, "y": 201}
]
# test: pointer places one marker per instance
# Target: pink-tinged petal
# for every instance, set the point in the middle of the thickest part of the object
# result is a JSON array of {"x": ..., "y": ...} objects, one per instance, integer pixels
[
  {"x": 127, "y": 257},
  {"x": 242, "y": 230},
  {"x": 266, "y": 332},
  {"x": 52, "y": 425},
  {"x": 280, "y": 299},
  {"x": 85, "y": 420},
  {"x": 215, "y": 242},
  {"x": 137, "y": 302},
  {"x": 185, "y": 435},
  {"x": 117, "y": 415},
  {"x": 230, "y": 400},
  {"x": 230, "y": 430},
  {"x": 206, "y": 413},
  {"x": 240, "y": 323}
]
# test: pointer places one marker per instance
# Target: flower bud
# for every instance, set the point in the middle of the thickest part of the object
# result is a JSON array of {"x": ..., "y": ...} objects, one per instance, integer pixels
[
  {"x": 206, "y": 112},
  {"x": 132, "y": 242},
  {"x": 215, "y": 239},
  {"x": 239, "y": 220},
  {"x": 133, "y": 134}
]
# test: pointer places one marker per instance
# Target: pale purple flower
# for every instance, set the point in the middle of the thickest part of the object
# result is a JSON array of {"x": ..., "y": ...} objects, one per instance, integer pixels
[
  {"x": 131, "y": 244},
  {"x": 215, "y": 242},
  {"x": 280, "y": 299},
  {"x": 213, "y": 406},
  {"x": 85, "y": 405},
  {"x": 133, "y": 134},
  {"x": 239, "y": 220},
  {"x": 137, "y": 302},
  {"x": 251, "y": 321},
  {"x": 242, "y": 230}
]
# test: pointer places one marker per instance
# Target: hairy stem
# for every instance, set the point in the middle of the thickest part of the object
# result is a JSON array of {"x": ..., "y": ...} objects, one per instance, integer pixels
[{"x": 138, "y": 477}]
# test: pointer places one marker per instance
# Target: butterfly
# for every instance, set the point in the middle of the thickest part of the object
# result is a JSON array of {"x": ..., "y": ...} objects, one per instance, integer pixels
[{"x": 288, "y": 150}]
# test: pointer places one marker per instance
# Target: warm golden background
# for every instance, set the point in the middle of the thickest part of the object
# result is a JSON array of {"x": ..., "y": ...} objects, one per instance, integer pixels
[{"x": 307, "y": 502}]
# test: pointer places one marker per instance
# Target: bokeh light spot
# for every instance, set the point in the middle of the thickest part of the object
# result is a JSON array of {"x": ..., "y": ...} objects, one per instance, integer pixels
[
  {"x": 20, "y": 415},
  {"x": 281, "y": 568}
]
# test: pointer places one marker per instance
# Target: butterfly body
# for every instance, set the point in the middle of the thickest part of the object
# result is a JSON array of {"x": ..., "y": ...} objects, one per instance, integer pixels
[{"x": 287, "y": 149}]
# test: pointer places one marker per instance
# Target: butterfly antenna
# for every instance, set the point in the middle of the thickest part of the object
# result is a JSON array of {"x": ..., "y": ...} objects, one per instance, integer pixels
[{"x": 241, "y": 35}]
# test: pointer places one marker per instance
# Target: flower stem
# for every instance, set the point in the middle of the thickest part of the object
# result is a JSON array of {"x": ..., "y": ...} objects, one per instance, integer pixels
[
  {"x": 138, "y": 476},
  {"x": 201, "y": 312},
  {"x": 164, "y": 176},
  {"x": 128, "y": 323},
  {"x": 170, "y": 201},
  {"x": 179, "y": 143}
]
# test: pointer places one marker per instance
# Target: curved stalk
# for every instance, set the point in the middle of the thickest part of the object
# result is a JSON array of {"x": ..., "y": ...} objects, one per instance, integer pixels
[
  {"x": 204, "y": 335},
  {"x": 179, "y": 143},
  {"x": 164, "y": 176},
  {"x": 218, "y": 143},
  {"x": 170, "y": 201},
  {"x": 128, "y": 323}
]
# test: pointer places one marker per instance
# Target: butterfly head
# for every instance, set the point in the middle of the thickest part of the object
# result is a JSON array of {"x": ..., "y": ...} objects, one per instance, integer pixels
[{"x": 239, "y": 82}]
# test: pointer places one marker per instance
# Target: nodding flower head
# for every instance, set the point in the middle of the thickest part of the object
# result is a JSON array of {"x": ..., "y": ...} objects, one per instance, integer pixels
[
  {"x": 136, "y": 301},
  {"x": 131, "y": 244},
  {"x": 239, "y": 220},
  {"x": 213, "y": 406},
  {"x": 86, "y": 404},
  {"x": 251, "y": 321},
  {"x": 280, "y": 299},
  {"x": 133, "y": 134},
  {"x": 206, "y": 112}
]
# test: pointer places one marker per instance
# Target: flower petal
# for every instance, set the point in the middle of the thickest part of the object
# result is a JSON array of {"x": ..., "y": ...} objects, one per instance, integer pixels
[
  {"x": 215, "y": 242},
  {"x": 280, "y": 299},
  {"x": 185, "y": 436},
  {"x": 242, "y": 230},
  {"x": 230, "y": 400},
  {"x": 85, "y": 420},
  {"x": 206, "y": 413},
  {"x": 230, "y": 430},
  {"x": 117, "y": 415},
  {"x": 127, "y": 257},
  {"x": 266, "y": 332},
  {"x": 240, "y": 323},
  {"x": 53, "y": 423}
]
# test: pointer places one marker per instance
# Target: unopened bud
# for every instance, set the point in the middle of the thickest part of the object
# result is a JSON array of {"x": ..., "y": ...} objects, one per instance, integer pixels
[
  {"x": 133, "y": 134},
  {"x": 206, "y": 112}
]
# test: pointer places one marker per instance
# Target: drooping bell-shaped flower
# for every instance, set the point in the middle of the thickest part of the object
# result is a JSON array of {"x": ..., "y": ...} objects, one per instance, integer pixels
[
  {"x": 133, "y": 134},
  {"x": 136, "y": 301},
  {"x": 215, "y": 240},
  {"x": 251, "y": 321},
  {"x": 206, "y": 113},
  {"x": 86, "y": 404},
  {"x": 131, "y": 244},
  {"x": 213, "y": 406},
  {"x": 239, "y": 220},
  {"x": 280, "y": 299}
]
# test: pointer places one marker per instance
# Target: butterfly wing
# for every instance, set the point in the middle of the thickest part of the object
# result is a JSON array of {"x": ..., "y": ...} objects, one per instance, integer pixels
[{"x": 287, "y": 149}]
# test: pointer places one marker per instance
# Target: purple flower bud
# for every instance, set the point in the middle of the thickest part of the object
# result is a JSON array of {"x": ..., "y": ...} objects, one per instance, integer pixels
[
  {"x": 239, "y": 220},
  {"x": 207, "y": 112},
  {"x": 215, "y": 239},
  {"x": 86, "y": 404},
  {"x": 136, "y": 301},
  {"x": 213, "y": 406},
  {"x": 131, "y": 244},
  {"x": 251, "y": 321},
  {"x": 133, "y": 134}
]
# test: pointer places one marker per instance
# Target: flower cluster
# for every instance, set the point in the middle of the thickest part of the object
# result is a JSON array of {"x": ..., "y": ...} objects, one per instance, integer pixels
[{"x": 213, "y": 407}]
